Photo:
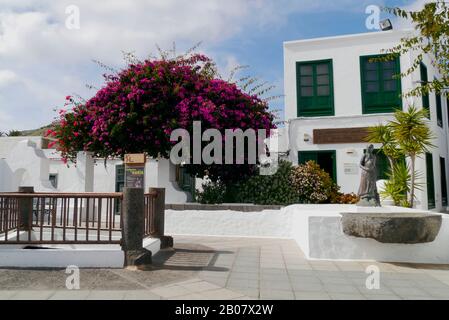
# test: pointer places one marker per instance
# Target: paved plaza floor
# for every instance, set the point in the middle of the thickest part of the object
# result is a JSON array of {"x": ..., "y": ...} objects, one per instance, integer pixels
[{"x": 222, "y": 268}]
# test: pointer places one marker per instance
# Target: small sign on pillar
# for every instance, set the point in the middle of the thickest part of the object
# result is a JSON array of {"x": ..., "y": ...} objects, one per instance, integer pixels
[{"x": 135, "y": 170}]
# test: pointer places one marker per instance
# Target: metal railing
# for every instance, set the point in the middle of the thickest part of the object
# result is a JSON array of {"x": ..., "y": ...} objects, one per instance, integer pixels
[
  {"x": 8, "y": 214},
  {"x": 149, "y": 213},
  {"x": 60, "y": 218}
]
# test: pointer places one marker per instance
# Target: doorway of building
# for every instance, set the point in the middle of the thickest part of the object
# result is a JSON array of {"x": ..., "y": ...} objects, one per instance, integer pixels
[
  {"x": 430, "y": 182},
  {"x": 119, "y": 183},
  {"x": 443, "y": 182},
  {"x": 326, "y": 159}
]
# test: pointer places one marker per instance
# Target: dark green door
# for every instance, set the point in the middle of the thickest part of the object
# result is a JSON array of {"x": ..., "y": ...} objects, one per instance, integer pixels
[
  {"x": 325, "y": 159},
  {"x": 119, "y": 183},
  {"x": 443, "y": 182},
  {"x": 430, "y": 181}
]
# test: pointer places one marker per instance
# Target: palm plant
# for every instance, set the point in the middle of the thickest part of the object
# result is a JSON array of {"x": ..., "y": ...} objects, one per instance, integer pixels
[
  {"x": 397, "y": 187},
  {"x": 383, "y": 134},
  {"x": 413, "y": 137}
]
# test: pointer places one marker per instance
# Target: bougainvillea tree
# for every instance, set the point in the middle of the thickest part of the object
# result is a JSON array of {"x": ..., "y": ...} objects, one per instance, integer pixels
[{"x": 137, "y": 109}]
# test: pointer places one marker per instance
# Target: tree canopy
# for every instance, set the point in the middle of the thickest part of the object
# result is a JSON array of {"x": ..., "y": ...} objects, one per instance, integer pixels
[
  {"x": 431, "y": 38},
  {"x": 138, "y": 108}
]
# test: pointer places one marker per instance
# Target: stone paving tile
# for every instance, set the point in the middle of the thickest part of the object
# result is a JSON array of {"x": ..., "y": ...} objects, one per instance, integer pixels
[
  {"x": 170, "y": 291},
  {"x": 6, "y": 294},
  {"x": 307, "y": 295},
  {"x": 437, "y": 292},
  {"x": 299, "y": 267},
  {"x": 396, "y": 282},
  {"x": 276, "y": 295},
  {"x": 272, "y": 271},
  {"x": 70, "y": 295},
  {"x": 383, "y": 297},
  {"x": 406, "y": 292},
  {"x": 200, "y": 286},
  {"x": 106, "y": 295},
  {"x": 141, "y": 295},
  {"x": 32, "y": 295},
  {"x": 190, "y": 296},
  {"x": 383, "y": 290},
  {"x": 340, "y": 288},
  {"x": 334, "y": 280},
  {"x": 308, "y": 287},
  {"x": 276, "y": 285},
  {"x": 249, "y": 292},
  {"x": 305, "y": 279},
  {"x": 346, "y": 296},
  {"x": 222, "y": 294},
  {"x": 240, "y": 283},
  {"x": 244, "y": 275}
]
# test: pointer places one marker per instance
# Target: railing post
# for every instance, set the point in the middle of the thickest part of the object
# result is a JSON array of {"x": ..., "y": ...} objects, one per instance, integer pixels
[
  {"x": 159, "y": 219},
  {"x": 132, "y": 230},
  {"x": 26, "y": 210}
]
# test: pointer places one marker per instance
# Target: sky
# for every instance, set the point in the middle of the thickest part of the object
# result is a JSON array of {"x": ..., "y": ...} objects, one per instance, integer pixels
[{"x": 44, "y": 56}]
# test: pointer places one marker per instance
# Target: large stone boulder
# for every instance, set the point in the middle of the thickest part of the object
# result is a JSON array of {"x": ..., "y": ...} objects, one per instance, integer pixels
[{"x": 393, "y": 227}]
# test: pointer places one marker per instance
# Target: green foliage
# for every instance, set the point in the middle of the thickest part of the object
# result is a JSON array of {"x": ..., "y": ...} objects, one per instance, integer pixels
[
  {"x": 431, "y": 39},
  {"x": 14, "y": 133},
  {"x": 268, "y": 190},
  {"x": 212, "y": 193},
  {"x": 312, "y": 184},
  {"x": 407, "y": 135},
  {"x": 383, "y": 134},
  {"x": 398, "y": 184},
  {"x": 306, "y": 183}
]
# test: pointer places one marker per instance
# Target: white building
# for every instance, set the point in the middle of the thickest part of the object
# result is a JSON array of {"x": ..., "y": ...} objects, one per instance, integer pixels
[
  {"x": 25, "y": 161},
  {"x": 332, "y": 90}
]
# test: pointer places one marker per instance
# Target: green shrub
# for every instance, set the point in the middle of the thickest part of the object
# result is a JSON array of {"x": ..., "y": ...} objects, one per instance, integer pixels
[
  {"x": 306, "y": 183},
  {"x": 212, "y": 193},
  {"x": 312, "y": 184},
  {"x": 268, "y": 190}
]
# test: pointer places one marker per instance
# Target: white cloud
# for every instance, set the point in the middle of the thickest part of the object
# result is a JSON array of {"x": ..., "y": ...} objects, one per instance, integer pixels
[
  {"x": 43, "y": 61},
  {"x": 7, "y": 77}
]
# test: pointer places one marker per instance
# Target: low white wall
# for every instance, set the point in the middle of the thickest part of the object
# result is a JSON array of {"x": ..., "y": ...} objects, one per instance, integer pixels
[
  {"x": 268, "y": 223},
  {"x": 62, "y": 256},
  {"x": 316, "y": 228}
]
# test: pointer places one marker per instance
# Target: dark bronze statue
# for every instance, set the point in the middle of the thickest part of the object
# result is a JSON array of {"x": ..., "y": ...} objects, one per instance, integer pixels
[{"x": 369, "y": 197}]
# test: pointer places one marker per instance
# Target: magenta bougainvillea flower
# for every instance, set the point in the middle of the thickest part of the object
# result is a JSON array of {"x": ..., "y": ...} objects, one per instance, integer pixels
[{"x": 137, "y": 109}]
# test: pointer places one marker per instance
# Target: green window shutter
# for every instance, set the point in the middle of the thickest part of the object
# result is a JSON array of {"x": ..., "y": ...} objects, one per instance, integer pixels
[
  {"x": 383, "y": 166},
  {"x": 439, "y": 110},
  {"x": 425, "y": 79},
  {"x": 315, "y": 91},
  {"x": 381, "y": 92},
  {"x": 430, "y": 182}
]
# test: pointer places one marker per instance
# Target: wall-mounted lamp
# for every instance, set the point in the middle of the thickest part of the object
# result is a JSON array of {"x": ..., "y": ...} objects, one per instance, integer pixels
[
  {"x": 386, "y": 25},
  {"x": 307, "y": 138}
]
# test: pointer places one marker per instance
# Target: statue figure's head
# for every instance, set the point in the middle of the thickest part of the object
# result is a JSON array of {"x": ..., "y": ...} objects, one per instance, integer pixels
[{"x": 370, "y": 149}]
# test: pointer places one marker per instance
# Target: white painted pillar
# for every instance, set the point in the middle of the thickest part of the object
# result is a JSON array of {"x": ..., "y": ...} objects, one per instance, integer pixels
[{"x": 85, "y": 171}]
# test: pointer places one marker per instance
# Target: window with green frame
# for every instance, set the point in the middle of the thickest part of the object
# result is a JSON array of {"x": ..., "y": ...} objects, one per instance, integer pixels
[
  {"x": 381, "y": 92},
  {"x": 315, "y": 90},
  {"x": 424, "y": 79},
  {"x": 439, "y": 109}
]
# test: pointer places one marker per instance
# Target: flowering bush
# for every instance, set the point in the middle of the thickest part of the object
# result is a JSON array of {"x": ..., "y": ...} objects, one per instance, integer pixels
[
  {"x": 138, "y": 108},
  {"x": 344, "y": 198},
  {"x": 312, "y": 184}
]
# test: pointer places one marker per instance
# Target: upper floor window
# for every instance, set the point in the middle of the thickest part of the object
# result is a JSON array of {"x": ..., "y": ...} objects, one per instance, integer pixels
[
  {"x": 381, "y": 91},
  {"x": 315, "y": 92},
  {"x": 439, "y": 109},
  {"x": 424, "y": 80}
]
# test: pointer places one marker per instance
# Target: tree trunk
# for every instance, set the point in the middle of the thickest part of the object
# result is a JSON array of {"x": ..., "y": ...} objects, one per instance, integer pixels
[{"x": 412, "y": 181}]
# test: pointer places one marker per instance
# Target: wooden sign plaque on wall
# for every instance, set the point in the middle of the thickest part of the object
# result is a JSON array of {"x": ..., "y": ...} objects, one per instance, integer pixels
[{"x": 340, "y": 135}]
